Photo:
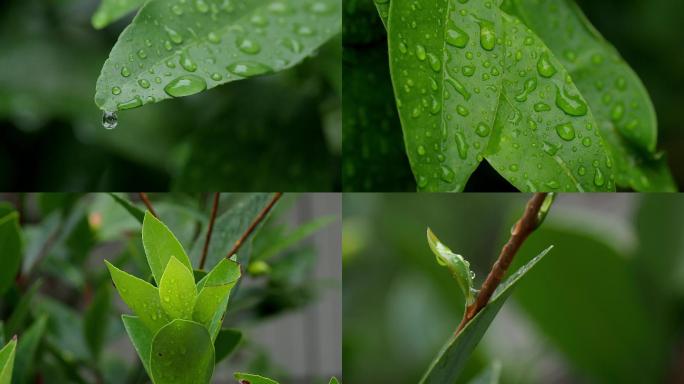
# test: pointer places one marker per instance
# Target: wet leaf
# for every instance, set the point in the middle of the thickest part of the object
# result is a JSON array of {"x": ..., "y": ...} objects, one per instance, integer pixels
[
  {"x": 177, "y": 290},
  {"x": 110, "y": 11},
  {"x": 141, "y": 337},
  {"x": 214, "y": 293},
  {"x": 160, "y": 244},
  {"x": 141, "y": 297},
  {"x": 619, "y": 101},
  {"x": 186, "y": 48},
  {"x": 7, "y": 354},
  {"x": 464, "y": 96},
  {"x": 451, "y": 360},
  {"x": 182, "y": 353},
  {"x": 248, "y": 378},
  {"x": 10, "y": 244}
]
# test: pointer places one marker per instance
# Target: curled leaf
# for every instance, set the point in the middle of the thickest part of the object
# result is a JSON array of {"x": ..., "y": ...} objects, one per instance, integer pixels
[{"x": 459, "y": 267}]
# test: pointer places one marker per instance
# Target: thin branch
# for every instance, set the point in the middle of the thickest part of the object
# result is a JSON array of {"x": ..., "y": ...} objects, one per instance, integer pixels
[
  {"x": 148, "y": 204},
  {"x": 522, "y": 229},
  {"x": 205, "y": 250},
  {"x": 254, "y": 224}
]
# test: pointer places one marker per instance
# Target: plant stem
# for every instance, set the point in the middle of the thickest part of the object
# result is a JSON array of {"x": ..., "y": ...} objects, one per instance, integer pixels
[
  {"x": 148, "y": 204},
  {"x": 254, "y": 224},
  {"x": 205, "y": 250},
  {"x": 522, "y": 229}
]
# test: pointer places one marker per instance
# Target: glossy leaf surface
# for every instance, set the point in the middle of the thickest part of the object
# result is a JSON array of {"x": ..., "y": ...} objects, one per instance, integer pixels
[
  {"x": 177, "y": 291},
  {"x": 141, "y": 337},
  {"x": 7, "y": 354},
  {"x": 182, "y": 353},
  {"x": 185, "y": 48},
  {"x": 214, "y": 294},
  {"x": 450, "y": 361},
  {"x": 160, "y": 244},
  {"x": 618, "y": 99}
]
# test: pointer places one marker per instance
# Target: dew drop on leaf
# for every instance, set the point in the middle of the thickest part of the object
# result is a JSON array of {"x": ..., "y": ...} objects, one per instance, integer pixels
[
  {"x": 109, "y": 121},
  {"x": 185, "y": 86},
  {"x": 249, "y": 68}
]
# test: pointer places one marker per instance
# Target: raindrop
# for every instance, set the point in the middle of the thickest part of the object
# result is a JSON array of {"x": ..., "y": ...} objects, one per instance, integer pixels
[
  {"x": 109, "y": 120},
  {"x": 487, "y": 35},
  {"x": 456, "y": 36},
  {"x": 185, "y": 85},
  {"x": 132, "y": 103},
  {"x": 461, "y": 145},
  {"x": 544, "y": 66},
  {"x": 572, "y": 105},
  {"x": 125, "y": 72},
  {"x": 566, "y": 131},
  {"x": 187, "y": 63},
  {"x": 248, "y": 68},
  {"x": 248, "y": 46}
]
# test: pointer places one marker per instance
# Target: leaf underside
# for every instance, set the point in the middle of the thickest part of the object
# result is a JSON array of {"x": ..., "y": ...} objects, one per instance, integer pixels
[
  {"x": 175, "y": 50},
  {"x": 471, "y": 83},
  {"x": 450, "y": 361}
]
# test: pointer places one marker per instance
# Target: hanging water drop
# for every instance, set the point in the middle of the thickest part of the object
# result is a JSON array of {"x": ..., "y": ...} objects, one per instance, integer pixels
[{"x": 109, "y": 120}]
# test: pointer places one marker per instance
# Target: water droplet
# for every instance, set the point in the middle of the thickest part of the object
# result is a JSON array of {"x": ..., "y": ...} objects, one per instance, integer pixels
[
  {"x": 421, "y": 150},
  {"x": 572, "y": 105},
  {"x": 142, "y": 54},
  {"x": 550, "y": 148},
  {"x": 435, "y": 63},
  {"x": 621, "y": 83},
  {"x": 447, "y": 175},
  {"x": 174, "y": 36},
  {"x": 144, "y": 83},
  {"x": 110, "y": 121},
  {"x": 304, "y": 30},
  {"x": 529, "y": 87},
  {"x": 553, "y": 184},
  {"x": 249, "y": 68},
  {"x": 461, "y": 145},
  {"x": 248, "y": 46},
  {"x": 201, "y": 6},
  {"x": 514, "y": 168},
  {"x": 487, "y": 35},
  {"x": 542, "y": 107},
  {"x": 586, "y": 142},
  {"x": 420, "y": 52},
  {"x": 185, "y": 85},
  {"x": 460, "y": 88},
  {"x": 463, "y": 111},
  {"x": 544, "y": 66},
  {"x": 177, "y": 10},
  {"x": 293, "y": 45},
  {"x": 213, "y": 38},
  {"x": 456, "y": 36},
  {"x": 319, "y": 7},
  {"x": 617, "y": 112},
  {"x": 482, "y": 130},
  {"x": 216, "y": 76},
  {"x": 566, "y": 131},
  {"x": 468, "y": 70},
  {"x": 116, "y": 90},
  {"x": 132, "y": 103},
  {"x": 187, "y": 63},
  {"x": 599, "y": 179},
  {"x": 125, "y": 72}
]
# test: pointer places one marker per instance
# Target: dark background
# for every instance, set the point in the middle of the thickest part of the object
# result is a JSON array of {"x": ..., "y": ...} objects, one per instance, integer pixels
[{"x": 274, "y": 132}]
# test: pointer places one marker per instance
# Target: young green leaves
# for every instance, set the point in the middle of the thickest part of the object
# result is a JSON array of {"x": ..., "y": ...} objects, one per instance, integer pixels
[
  {"x": 457, "y": 265},
  {"x": 7, "y": 361},
  {"x": 179, "y": 49},
  {"x": 473, "y": 83},
  {"x": 175, "y": 324}
]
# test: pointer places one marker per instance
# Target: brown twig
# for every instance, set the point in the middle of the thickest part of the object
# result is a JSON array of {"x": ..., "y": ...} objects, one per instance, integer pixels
[
  {"x": 148, "y": 204},
  {"x": 522, "y": 229},
  {"x": 254, "y": 224},
  {"x": 205, "y": 250}
]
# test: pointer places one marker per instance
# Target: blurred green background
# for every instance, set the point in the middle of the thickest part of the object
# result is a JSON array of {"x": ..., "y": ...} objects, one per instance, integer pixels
[
  {"x": 605, "y": 306},
  {"x": 67, "y": 314},
  {"x": 279, "y": 132},
  {"x": 648, "y": 34}
]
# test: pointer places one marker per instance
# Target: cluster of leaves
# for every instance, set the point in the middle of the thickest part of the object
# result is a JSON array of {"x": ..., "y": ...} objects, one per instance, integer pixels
[
  {"x": 614, "y": 275},
  {"x": 530, "y": 86},
  {"x": 204, "y": 142},
  {"x": 55, "y": 292}
]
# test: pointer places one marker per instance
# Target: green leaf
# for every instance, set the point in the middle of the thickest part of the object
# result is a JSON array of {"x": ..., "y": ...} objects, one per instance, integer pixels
[
  {"x": 618, "y": 99},
  {"x": 96, "y": 320},
  {"x": 177, "y": 290},
  {"x": 21, "y": 310},
  {"x": 450, "y": 361},
  {"x": 588, "y": 275},
  {"x": 10, "y": 245},
  {"x": 110, "y": 11},
  {"x": 179, "y": 50},
  {"x": 457, "y": 265},
  {"x": 141, "y": 337},
  {"x": 383, "y": 7},
  {"x": 130, "y": 207},
  {"x": 7, "y": 361},
  {"x": 226, "y": 342},
  {"x": 26, "y": 351},
  {"x": 214, "y": 294},
  {"x": 182, "y": 353},
  {"x": 463, "y": 96},
  {"x": 491, "y": 375},
  {"x": 333, "y": 380},
  {"x": 248, "y": 378},
  {"x": 160, "y": 244},
  {"x": 141, "y": 297}
]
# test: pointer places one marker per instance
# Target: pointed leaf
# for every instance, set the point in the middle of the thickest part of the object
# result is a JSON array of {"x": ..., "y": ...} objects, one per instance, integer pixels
[
  {"x": 182, "y": 353},
  {"x": 141, "y": 297},
  {"x": 450, "y": 361},
  {"x": 10, "y": 248},
  {"x": 177, "y": 290},
  {"x": 174, "y": 51},
  {"x": 457, "y": 265},
  {"x": 26, "y": 351},
  {"x": 110, "y": 11},
  {"x": 160, "y": 244},
  {"x": 618, "y": 99},
  {"x": 7, "y": 354},
  {"x": 248, "y": 378},
  {"x": 383, "y": 7},
  {"x": 226, "y": 342},
  {"x": 333, "y": 380},
  {"x": 141, "y": 337},
  {"x": 214, "y": 295}
]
